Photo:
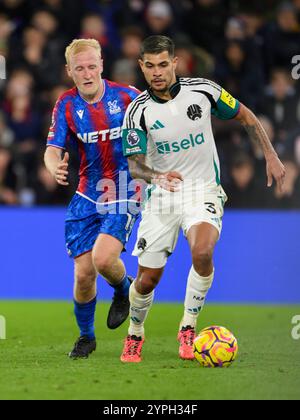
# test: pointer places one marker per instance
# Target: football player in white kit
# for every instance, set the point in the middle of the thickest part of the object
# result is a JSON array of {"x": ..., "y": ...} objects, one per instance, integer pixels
[{"x": 168, "y": 139}]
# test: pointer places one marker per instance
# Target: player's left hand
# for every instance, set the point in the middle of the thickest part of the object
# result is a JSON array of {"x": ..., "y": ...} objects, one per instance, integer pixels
[
  {"x": 61, "y": 173},
  {"x": 169, "y": 181},
  {"x": 276, "y": 170}
]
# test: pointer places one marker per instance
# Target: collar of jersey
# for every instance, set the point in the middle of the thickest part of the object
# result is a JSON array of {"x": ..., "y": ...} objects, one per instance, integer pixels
[
  {"x": 174, "y": 90},
  {"x": 99, "y": 100}
]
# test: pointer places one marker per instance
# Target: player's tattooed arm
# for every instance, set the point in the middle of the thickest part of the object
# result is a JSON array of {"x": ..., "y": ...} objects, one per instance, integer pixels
[
  {"x": 140, "y": 170},
  {"x": 256, "y": 132}
]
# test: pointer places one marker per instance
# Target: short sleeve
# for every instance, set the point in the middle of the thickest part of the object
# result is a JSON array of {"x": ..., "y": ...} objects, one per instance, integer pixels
[
  {"x": 134, "y": 132},
  {"x": 58, "y": 132},
  {"x": 223, "y": 105},
  {"x": 133, "y": 92}
]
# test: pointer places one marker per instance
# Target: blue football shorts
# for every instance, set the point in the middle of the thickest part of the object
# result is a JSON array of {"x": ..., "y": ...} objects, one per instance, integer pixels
[{"x": 84, "y": 224}]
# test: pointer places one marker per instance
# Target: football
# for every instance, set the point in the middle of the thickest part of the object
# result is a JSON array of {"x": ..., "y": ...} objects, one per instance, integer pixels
[{"x": 215, "y": 346}]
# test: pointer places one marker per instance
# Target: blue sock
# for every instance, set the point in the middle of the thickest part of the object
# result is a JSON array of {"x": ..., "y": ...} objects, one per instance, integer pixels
[
  {"x": 122, "y": 289},
  {"x": 85, "y": 316}
]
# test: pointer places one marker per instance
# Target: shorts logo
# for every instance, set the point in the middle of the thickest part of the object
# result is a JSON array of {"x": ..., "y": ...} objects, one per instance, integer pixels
[
  {"x": 194, "y": 112},
  {"x": 142, "y": 243},
  {"x": 133, "y": 138}
]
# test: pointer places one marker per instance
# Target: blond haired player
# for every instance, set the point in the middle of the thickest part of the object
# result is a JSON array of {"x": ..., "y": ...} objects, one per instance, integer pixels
[
  {"x": 90, "y": 115},
  {"x": 168, "y": 139}
]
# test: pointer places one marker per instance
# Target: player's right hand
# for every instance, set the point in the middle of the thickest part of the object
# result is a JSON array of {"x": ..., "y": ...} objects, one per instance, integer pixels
[
  {"x": 62, "y": 172},
  {"x": 169, "y": 181}
]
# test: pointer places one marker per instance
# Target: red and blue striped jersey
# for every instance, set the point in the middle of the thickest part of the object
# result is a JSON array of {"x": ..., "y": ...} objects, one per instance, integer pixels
[{"x": 97, "y": 131}]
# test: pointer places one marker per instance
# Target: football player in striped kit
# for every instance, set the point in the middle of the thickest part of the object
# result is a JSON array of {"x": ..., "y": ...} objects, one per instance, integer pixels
[
  {"x": 90, "y": 116},
  {"x": 168, "y": 139}
]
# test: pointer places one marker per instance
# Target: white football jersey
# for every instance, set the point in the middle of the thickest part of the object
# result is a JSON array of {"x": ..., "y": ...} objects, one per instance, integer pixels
[{"x": 176, "y": 135}]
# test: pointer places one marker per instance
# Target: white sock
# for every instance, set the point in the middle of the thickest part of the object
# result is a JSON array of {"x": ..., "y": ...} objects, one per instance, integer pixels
[
  {"x": 139, "y": 308},
  {"x": 196, "y": 291}
]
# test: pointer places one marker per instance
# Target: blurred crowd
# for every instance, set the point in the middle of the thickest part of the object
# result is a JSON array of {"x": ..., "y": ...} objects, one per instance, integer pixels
[{"x": 247, "y": 47}]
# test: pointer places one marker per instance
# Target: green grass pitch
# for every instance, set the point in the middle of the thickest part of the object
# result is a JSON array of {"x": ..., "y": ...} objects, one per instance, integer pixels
[{"x": 34, "y": 365}]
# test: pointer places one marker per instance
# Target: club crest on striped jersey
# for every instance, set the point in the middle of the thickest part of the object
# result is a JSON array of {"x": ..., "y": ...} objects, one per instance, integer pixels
[{"x": 114, "y": 108}]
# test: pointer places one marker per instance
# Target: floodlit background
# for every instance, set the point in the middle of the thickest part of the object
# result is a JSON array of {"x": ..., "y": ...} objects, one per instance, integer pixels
[
  {"x": 247, "y": 47},
  {"x": 251, "y": 48}
]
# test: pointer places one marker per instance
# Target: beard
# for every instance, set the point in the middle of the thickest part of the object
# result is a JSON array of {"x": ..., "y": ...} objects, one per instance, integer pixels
[{"x": 163, "y": 89}]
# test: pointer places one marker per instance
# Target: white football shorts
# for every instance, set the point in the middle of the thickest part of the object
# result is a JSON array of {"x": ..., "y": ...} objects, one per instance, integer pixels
[{"x": 165, "y": 213}]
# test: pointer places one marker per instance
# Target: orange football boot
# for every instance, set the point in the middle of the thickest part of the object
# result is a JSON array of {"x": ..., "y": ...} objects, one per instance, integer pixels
[
  {"x": 132, "y": 349},
  {"x": 186, "y": 337}
]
